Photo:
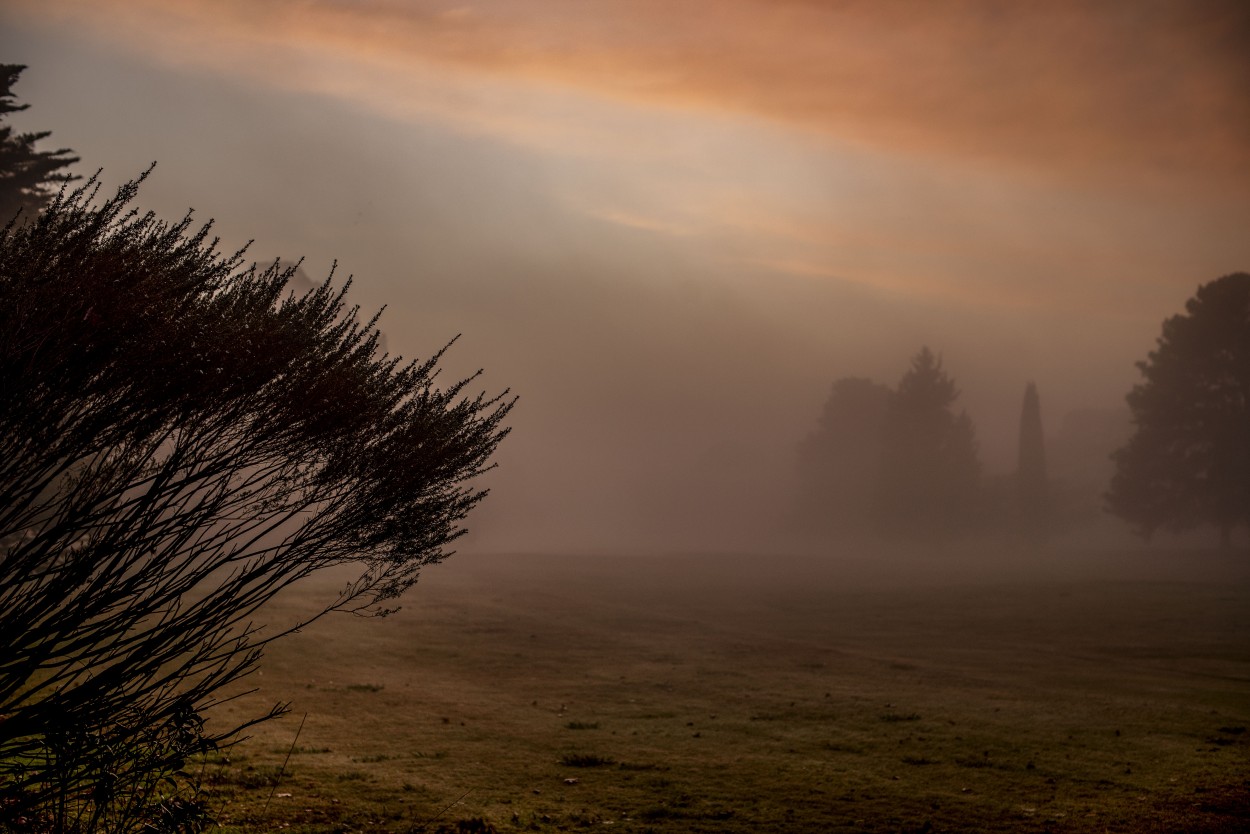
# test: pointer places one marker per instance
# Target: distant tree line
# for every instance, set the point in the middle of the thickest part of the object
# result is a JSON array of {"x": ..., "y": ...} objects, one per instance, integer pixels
[
  {"x": 902, "y": 462},
  {"x": 896, "y": 460}
]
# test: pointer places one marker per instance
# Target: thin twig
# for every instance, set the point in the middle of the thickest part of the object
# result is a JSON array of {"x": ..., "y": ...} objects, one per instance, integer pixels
[
  {"x": 282, "y": 769},
  {"x": 437, "y": 816}
]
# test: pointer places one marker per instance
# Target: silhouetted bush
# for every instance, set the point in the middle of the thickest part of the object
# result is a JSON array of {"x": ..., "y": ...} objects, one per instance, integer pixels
[{"x": 181, "y": 439}]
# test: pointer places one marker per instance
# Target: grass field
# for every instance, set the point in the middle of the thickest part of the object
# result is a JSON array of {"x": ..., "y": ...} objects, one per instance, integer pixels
[{"x": 763, "y": 694}]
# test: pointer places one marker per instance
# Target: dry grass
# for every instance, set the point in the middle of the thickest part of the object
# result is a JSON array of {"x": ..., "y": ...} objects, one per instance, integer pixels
[{"x": 748, "y": 695}]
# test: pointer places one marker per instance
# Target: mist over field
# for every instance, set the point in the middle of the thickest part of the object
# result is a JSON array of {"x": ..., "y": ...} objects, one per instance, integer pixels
[
  {"x": 670, "y": 265},
  {"x": 823, "y": 321}
]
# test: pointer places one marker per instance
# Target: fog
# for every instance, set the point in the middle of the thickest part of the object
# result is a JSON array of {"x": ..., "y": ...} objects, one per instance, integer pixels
[{"x": 671, "y": 277}]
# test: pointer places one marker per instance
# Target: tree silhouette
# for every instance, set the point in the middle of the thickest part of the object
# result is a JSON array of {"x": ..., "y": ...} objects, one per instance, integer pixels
[
  {"x": 840, "y": 462},
  {"x": 930, "y": 469},
  {"x": 1031, "y": 487},
  {"x": 28, "y": 177},
  {"x": 180, "y": 439},
  {"x": 1188, "y": 461}
]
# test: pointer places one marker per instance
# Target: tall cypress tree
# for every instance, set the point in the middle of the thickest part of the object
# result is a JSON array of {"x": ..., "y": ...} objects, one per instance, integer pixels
[{"x": 1031, "y": 491}]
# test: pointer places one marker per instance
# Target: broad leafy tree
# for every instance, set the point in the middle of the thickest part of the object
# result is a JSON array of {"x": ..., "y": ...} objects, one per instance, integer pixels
[
  {"x": 28, "y": 177},
  {"x": 930, "y": 468},
  {"x": 898, "y": 462},
  {"x": 182, "y": 437},
  {"x": 1188, "y": 461},
  {"x": 840, "y": 462}
]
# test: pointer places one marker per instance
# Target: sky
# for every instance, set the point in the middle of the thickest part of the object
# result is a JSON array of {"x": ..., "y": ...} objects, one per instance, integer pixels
[{"x": 670, "y": 226}]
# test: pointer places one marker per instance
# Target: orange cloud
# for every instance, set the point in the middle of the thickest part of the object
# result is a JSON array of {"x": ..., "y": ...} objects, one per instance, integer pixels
[
  {"x": 1114, "y": 91},
  {"x": 856, "y": 142}
]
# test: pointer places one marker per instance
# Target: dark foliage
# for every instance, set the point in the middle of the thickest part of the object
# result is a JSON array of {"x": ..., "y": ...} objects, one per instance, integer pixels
[
  {"x": 1032, "y": 490},
  {"x": 930, "y": 469},
  {"x": 180, "y": 439},
  {"x": 1188, "y": 461},
  {"x": 28, "y": 177},
  {"x": 840, "y": 462},
  {"x": 894, "y": 462}
]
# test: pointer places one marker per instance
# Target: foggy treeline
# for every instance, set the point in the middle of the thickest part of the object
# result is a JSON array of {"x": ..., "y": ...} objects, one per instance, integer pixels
[{"x": 903, "y": 462}]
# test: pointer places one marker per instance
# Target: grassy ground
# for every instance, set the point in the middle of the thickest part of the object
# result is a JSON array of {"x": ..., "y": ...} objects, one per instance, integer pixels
[{"x": 753, "y": 694}]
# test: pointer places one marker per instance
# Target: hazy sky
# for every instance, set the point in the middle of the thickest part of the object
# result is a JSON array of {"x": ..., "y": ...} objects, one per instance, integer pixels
[{"x": 669, "y": 226}]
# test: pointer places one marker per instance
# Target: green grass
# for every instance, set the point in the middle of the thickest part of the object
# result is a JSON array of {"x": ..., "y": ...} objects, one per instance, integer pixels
[
  {"x": 585, "y": 760},
  {"x": 365, "y": 687},
  {"x": 755, "y": 699}
]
